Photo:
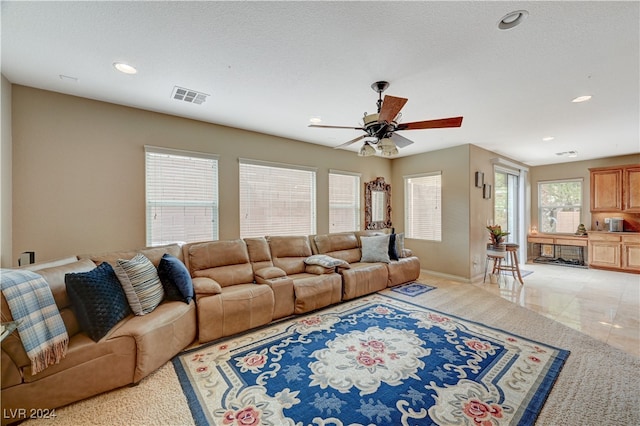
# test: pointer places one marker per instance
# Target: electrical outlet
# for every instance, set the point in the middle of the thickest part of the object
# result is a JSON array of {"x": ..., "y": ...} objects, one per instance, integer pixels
[{"x": 607, "y": 220}]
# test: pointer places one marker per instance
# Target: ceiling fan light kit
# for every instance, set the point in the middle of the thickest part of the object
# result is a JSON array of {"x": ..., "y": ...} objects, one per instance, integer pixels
[
  {"x": 367, "y": 150},
  {"x": 382, "y": 125}
]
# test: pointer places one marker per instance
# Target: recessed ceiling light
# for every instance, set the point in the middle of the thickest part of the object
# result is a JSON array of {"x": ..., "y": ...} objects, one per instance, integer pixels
[
  {"x": 548, "y": 138},
  {"x": 512, "y": 19},
  {"x": 581, "y": 99},
  {"x": 125, "y": 68},
  {"x": 315, "y": 120}
]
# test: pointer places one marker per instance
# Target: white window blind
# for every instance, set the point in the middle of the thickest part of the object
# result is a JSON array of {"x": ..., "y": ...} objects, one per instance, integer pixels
[
  {"x": 276, "y": 199},
  {"x": 423, "y": 209},
  {"x": 181, "y": 196},
  {"x": 344, "y": 201}
]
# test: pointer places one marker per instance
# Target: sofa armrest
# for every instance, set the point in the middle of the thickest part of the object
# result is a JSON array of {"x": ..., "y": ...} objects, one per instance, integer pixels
[
  {"x": 407, "y": 252},
  {"x": 204, "y": 285},
  {"x": 268, "y": 273},
  {"x": 11, "y": 374}
]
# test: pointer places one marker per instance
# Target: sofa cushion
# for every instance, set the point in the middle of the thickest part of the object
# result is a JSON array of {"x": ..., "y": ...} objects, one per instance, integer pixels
[
  {"x": 141, "y": 284},
  {"x": 97, "y": 299},
  {"x": 341, "y": 246},
  {"x": 175, "y": 279},
  {"x": 375, "y": 249}
]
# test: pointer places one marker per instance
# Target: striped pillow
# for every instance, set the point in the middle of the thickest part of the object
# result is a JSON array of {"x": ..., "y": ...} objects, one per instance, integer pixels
[{"x": 141, "y": 284}]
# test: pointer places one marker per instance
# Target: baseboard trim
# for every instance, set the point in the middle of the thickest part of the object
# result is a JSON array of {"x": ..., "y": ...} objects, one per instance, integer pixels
[{"x": 447, "y": 276}]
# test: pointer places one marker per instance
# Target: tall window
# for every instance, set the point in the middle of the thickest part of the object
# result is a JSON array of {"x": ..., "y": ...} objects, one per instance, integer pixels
[
  {"x": 423, "y": 206},
  {"x": 559, "y": 205},
  {"x": 344, "y": 201},
  {"x": 506, "y": 202},
  {"x": 276, "y": 199},
  {"x": 181, "y": 196}
]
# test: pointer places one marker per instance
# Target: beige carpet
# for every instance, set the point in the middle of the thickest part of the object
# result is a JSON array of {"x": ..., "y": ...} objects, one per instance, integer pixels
[{"x": 599, "y": 385}]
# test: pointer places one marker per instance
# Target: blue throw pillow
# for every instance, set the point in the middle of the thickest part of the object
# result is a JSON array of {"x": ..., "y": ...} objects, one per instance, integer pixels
[
  {"x": 97, "y": 299},
  {"x": 393, "y": 251},
  {"x": 175, "y": 279}
]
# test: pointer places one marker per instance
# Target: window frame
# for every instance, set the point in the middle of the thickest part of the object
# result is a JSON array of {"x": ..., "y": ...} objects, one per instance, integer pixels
[
  {"x": 408, "y": 208},
  {"x": 285, "y": 166},
  {"x": 355, "y": 207},
  {"x": 541, "y": 207},
  {"x": 214, "y": 203}
]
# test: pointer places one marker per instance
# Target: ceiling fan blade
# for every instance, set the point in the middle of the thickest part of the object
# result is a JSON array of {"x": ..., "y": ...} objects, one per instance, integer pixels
[
  {"x": 400, "y": 141},
  {"x": 431, "y": 124},
  {"x": 350, "y": 142},
  {"x": 391, "y": 106},
  {"x": 335, "y": 127}
]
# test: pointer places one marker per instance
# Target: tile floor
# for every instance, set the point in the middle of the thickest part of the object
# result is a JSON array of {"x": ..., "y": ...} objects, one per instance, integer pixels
[{"x": 603, "y": 304}]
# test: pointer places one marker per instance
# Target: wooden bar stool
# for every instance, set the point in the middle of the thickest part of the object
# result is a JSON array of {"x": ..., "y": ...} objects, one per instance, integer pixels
[
  {"x": 495, "y": 257},
  {"x": 511, "y": 264}
]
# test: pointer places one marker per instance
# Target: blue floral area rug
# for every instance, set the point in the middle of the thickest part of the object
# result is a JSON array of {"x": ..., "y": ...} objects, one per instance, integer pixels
[
  {"x": 371, "y": 361},
  {"x": 412, "y": 289}
]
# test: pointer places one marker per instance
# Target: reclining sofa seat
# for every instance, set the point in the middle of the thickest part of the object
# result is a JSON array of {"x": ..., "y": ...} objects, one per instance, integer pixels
[
  {"x": 314, "y": 286},
  {"x": 227, "y": 298},
  {"x": 131, "y": 350},
  {"x": 362, "y": 277}
]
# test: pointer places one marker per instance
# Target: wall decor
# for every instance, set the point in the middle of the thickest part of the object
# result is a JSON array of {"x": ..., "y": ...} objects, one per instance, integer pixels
[
  {"x": 377, "y": 204},
  {"x": 479, "y": 179},
  {"x": 486, "y": 191}
]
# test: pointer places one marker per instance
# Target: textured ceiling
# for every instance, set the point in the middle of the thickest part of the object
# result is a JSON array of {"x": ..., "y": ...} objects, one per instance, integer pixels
[{"x": 271, "y": 66}]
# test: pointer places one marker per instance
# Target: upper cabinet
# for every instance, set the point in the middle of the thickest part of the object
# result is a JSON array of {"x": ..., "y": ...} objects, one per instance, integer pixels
[
  {"x": 615, "y": 189},
  {"x": 632, "y": 189}
]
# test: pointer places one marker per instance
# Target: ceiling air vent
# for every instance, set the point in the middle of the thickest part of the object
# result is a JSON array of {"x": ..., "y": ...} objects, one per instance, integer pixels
[{"x": 188, "y": 95}]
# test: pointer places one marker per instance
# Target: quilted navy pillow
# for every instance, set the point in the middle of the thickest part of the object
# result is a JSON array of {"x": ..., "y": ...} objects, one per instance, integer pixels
[
  {"x": 393, "y": 251},
  {"x": 97, "y": 299},
  {"x": 175, "y": 279}
]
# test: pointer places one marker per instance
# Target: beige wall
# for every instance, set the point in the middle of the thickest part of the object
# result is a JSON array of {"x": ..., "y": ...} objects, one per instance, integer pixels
[
  {"x": 451, "y": 255},
  {"x": 78, "y": 170},
  {"x": 6, "y": 258},
  {"x": 78, "y": 178},
  {"x": 461, "y": 253},
  {"x": 572, "y": 170}
]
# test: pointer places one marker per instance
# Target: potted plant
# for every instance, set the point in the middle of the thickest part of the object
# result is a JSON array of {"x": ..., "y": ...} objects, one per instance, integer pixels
[{"x": 497, "y": 237}]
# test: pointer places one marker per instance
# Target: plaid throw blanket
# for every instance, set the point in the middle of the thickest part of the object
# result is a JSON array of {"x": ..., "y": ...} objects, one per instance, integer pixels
[{"x": 41, "y": 329}]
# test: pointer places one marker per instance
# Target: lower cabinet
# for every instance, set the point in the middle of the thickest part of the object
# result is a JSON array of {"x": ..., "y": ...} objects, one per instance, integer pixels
[
  {"x": 614, "y": 251},
  {"x": 631, "y": 252}
]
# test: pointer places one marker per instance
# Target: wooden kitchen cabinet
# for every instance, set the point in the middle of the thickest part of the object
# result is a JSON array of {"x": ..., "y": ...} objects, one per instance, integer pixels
[
  {"x": 604, "y": 250},
  {"x": 631, "y": 187},
  {"x": 615, "y": 189},
  {"x": 631, "y": 252},
  {"x": 615, "y": 250},
  {"x": 606, "y": 190}
]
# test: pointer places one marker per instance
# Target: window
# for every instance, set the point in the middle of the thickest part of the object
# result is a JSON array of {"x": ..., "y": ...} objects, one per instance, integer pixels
[
  {"x": 181, "y": 196},
  {"x": 506, "y": 202},
  {"x": 423, "y": 206},
  {"x": 344, "y": 201},
  {"x": 276, "y": 199},
  {"x": 559, "y": 205}
]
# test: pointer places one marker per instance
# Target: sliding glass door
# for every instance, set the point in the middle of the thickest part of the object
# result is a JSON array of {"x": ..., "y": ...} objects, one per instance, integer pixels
[{"x": 507, "y": 203}]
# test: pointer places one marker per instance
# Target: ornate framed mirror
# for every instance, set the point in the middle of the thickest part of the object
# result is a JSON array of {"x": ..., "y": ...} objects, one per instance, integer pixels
[{"x": 377, "y": 204}]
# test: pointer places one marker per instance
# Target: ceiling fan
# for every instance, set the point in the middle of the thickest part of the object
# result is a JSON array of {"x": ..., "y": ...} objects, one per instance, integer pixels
[{"x": 382, "y": 127}]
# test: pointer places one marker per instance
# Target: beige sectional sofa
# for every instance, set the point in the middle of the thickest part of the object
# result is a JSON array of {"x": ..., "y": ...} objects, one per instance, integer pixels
[
  {"x": 131, "y": 350},
  {"x": 239, "y": 285}
]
